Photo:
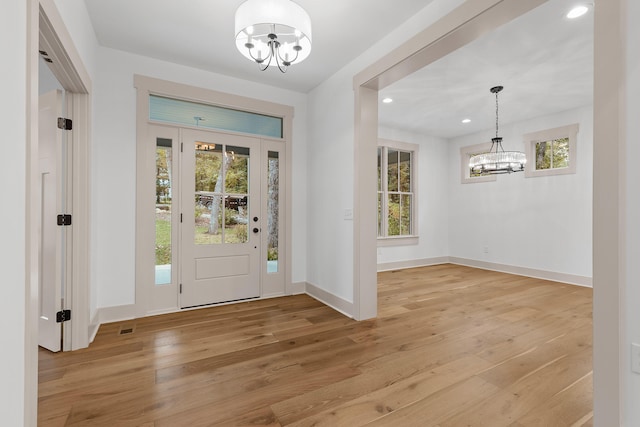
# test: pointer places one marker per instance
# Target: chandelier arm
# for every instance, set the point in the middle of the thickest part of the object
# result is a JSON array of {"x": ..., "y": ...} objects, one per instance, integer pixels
[
  {"x": 260, "y": 61},
  {"x": 280, "y": 67},
  {"x": 270, "y": 56}
]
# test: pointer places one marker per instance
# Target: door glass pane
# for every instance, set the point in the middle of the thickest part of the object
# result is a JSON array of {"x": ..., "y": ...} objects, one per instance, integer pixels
[
  {"x": 208, "y": 193},
  {"x": 236, "y": 197},
  {"x": 163, "y": 211},
  {"x": 273, "y": 189}
]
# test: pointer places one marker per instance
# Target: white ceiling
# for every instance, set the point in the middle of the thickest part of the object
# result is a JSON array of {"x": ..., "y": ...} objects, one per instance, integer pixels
[
  {"x": 543, "y": 60},
  {"x": 200, "y": 34}
]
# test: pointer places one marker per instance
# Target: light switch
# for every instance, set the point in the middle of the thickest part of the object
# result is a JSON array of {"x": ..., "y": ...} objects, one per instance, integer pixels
[{"x": 348, "y": 214}]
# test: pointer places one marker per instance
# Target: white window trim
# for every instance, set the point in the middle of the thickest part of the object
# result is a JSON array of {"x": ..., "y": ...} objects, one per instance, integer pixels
[
  {"x": 465, "y": 154},
  {"x": 411, "y": 239},
  {"x": 530, "y": 140}
]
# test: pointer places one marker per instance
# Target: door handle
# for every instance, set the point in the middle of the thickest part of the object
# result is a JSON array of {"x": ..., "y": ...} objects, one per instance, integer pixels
[{"x": 256, "y": 230}]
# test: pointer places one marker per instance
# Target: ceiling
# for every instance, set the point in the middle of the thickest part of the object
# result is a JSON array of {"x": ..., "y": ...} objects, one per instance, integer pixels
[
  {"x": 200, "y": 34},
  {"x": 544, "y": 61}
]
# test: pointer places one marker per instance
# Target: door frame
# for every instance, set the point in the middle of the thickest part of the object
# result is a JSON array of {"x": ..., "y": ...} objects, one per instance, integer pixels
[
  {"x": 145, "y": 165},
  {"x": 45, "y": 27},
  {"x": 68, "y": 68}
]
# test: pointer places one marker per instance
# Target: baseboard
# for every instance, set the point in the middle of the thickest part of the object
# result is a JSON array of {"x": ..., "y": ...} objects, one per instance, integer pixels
[
  {"x": 116, "y": 314},
  {"x": 572, "y": 279},
  {"x": 94, "y": 326},
  {"x": 337, "y": 303},
  {"x": 399, "y": 265}
]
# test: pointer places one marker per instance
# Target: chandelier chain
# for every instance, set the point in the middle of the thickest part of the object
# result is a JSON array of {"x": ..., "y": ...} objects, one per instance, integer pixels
[{"x": 496, "y": 114}]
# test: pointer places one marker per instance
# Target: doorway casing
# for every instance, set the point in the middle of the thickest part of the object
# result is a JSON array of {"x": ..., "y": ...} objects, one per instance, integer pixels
[
  {"x": 145, "y": 229},
  {"x": 46, "y": 29}
]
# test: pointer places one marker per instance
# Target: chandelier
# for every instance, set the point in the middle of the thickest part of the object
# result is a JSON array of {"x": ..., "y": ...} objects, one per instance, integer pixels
[
  {"x": 496, "y": 160},
  {"x": 273, "y": 33}
]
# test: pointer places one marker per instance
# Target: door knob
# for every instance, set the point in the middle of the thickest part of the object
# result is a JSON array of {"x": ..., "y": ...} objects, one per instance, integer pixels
[{"x": 256, "y": 229}]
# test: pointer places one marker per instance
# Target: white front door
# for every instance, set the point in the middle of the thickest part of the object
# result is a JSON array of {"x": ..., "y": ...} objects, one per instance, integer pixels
[
  {"x": 51, "y": 234},
  {"x": 221, "y": 218}
]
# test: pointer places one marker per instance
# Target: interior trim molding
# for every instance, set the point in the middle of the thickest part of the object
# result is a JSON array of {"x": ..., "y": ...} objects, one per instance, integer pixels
[
  {"x": 94, "y": 326},
  {"x": 296, "y": 288},
  {"x": 425, "y": 262},
  {"x": 572, "y": 279},
  {"x": 116, "y": 314},
  {"x": 337, "y": 303}
]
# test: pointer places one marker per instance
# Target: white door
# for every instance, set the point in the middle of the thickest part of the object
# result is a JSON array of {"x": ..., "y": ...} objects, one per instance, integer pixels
[
  {"x": 51, "y": 240},
  {"x": 221, "y": 224}
]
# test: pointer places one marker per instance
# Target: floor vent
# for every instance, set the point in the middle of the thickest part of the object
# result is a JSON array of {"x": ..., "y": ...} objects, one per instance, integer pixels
[{"x": 126, "y": 331}]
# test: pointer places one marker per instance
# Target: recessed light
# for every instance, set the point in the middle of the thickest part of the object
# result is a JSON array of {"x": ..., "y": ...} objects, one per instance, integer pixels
[
  {"x": 577, "y": 11},
  {"x": 466, "y": 120},
  {"x": 387, "y": 100}
]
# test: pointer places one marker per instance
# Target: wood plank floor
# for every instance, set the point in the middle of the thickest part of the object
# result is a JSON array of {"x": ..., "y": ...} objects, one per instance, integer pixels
[{"x": 452, "y": 346}]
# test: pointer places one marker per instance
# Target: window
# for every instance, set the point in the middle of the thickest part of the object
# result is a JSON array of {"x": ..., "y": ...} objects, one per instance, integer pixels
[
  {"x": 176, "y": 111},
  {"x": 551, "y": 152},
  {"x": 466, "y": 177},
  {"x": 396, "y": 190}
]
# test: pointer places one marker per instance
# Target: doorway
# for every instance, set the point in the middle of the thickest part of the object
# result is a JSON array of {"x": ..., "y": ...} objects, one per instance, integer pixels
[
  {"x": 213, "y": 202},
  {"x": 60, "y": 68}
]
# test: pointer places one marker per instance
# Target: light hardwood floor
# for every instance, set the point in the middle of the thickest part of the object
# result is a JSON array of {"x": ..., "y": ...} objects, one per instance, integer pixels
[{"x": 452, "y": 346}]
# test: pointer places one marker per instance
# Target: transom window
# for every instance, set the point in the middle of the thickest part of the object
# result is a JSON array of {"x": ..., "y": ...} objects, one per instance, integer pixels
[
  {"x": 188, "y": 113},
  {"x": 551, "y": 152},
  {"x": 396, "y": 189}
]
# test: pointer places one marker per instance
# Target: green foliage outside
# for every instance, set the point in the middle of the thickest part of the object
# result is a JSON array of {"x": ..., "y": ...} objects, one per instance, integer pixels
[
  {"x": 399, "y": 221},
  {"x": 398, "y": 173},
  {"x": 552, "y": 154},
  {"x": 208, "y": 166},
  {"x": 163, "y": 241}
]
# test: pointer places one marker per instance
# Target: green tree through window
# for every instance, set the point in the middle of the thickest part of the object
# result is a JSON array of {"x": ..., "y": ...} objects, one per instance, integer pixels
[{"x": 395, "y": 192}]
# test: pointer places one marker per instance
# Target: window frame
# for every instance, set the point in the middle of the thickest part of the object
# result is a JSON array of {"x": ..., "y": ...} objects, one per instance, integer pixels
[
  {"x": 531, "y": 139},
  {"x": 406, "y": 239},
  {"x": 465, "y": 173}
]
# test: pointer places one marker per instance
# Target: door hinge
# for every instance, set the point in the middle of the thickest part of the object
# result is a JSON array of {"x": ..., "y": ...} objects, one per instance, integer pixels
[
  {"x": 64, "y": 219},
  {"x": 65, "y": 124},
  {"x": 181, "y": 146},
  {"x": 63, "y": 316},
  {"x": 180, "y": 287},
  {"x": 180, "y": 217}
]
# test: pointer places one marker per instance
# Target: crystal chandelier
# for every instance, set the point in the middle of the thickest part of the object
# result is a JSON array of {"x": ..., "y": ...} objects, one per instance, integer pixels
[
  {"x": 273, "y": 33},
  {"x": 496, "y": 160}
]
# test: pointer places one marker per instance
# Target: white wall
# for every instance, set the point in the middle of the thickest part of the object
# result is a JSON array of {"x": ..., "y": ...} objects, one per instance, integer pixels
[
  {"x": 330, "y": 160},
  {"x": 433, "y": 215},
  {"x": 114, "y": 162},
  {"x": 632, "y": 273},
  {"x": 13, "y": 30},
  {"x": 542, "y": 223}
]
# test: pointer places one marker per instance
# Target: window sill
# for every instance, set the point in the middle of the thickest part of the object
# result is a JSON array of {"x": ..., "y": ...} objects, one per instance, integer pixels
[{"x": 397, "y": 241}]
